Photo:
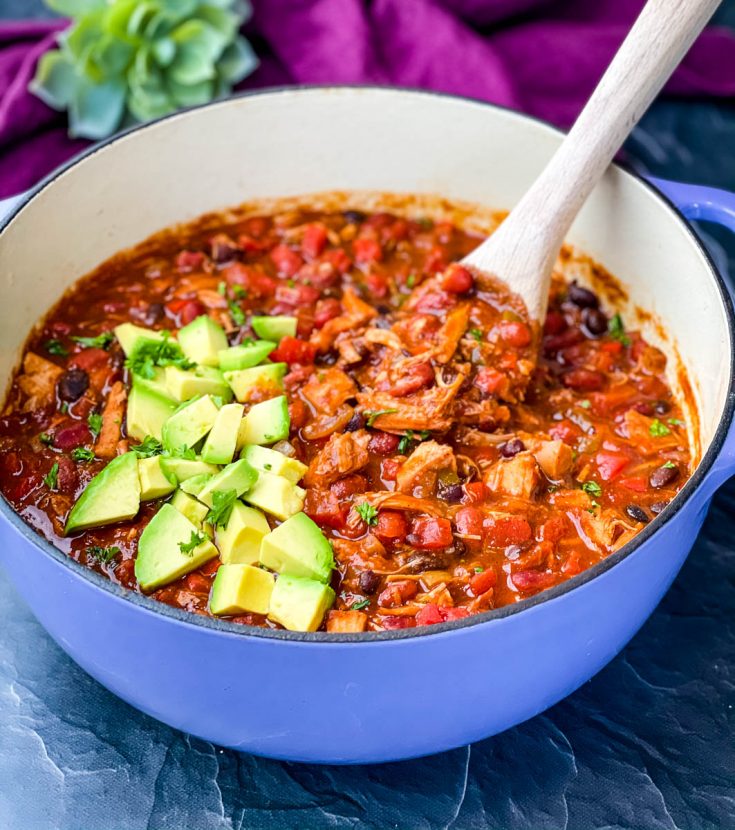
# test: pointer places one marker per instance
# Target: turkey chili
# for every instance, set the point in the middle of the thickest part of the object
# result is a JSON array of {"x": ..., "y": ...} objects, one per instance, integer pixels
[{"x": 318, "y": 420}]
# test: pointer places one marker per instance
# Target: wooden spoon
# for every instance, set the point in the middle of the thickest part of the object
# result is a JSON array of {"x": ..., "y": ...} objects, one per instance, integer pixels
[{"x": 523, "y": 250}]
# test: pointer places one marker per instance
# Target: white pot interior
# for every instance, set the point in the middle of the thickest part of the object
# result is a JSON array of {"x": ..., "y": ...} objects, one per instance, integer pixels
[{"x": 302, "y": 141}]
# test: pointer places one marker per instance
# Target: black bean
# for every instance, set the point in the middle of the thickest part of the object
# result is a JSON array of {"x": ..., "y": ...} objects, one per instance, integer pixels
[
  {"x": 354, "y": 217},
  {"x": 383, "y": 309},
  {"x": 512, "y": 447},
  {"x": 356, "y": 422},
  {"x": 153, "y": 313},
  {"x": 73, "y": 384},
  {"x": 582, "y": 297},
  {"x": 638, "y": 514},
  {"x": 663, "y": 476},
  {"x": 427, "y": 562},
  {"x": 369, "y": 582},
  {"x": 661, "y": 407},
  {"x": 224, "y": 251},
  {"x": 451, "y": 493},
  {"x": 594, "y": 322},
  {"x": 658, "y": 507}
]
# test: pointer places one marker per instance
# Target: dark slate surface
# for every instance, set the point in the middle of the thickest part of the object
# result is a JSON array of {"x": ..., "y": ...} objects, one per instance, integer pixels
[{"x": 648, "y": 744}]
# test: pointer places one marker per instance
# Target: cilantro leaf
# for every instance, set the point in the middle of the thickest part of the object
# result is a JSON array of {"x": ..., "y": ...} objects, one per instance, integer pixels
[
  {"x": 148, "y": 447},
  {"x": 237, "y": 314},
  {"x": 222, "y": 288},
  {"x": 371, "y": 416},
  {"x": 584, "y": 404},
  {"x": 592, "y": 488},
  {"x": 196, "y": 539},
  {"x": 669, "y": 465},
  {"x": 658, "y": 429},
  {"x": 221, "y": 510},
  {"x": 367, "y": 513},
  {"x": 477, "y": 334},
  {"x": 152, "y": 353},
  {"x": 56, "y": 347},
  {"x": 103, "y": 555},
  {"x": 358, "y": 606},
  {"x": 676, "y": 422},
  {"x": 102, "y": 341},
  {"x": 82, "y": 454},
  {"x": 94, "y": 422},
  {"x": 51, "y": 478},
  {"x": 616, "y": 329},
  {"x": 46, "y": 438}
]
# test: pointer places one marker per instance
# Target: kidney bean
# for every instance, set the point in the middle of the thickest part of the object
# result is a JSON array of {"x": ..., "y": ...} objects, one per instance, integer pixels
[
  {"x": 582, "y": 297},
  {"x": 73, "y": 435},
  {"x": 457, "y": 279},
  {"x": 663, "y": 476},
  {"x": 427, "y": 562},
  {"x": 638, "y": 514},
  {"x": 583, "y": 379},
  {"x": 594, "y": 322},
  {"x": 661, "y": 407},
  {"x": 658, "y": 507},
  {"x": 369, "y": 582},
  {"x": 511, "y": 448},
  {"x": 353, "y": 217},
  {"x": 383, "y": 443},
  {"x": 73, "y": 384},
  {"x": 153, "y": 313}
]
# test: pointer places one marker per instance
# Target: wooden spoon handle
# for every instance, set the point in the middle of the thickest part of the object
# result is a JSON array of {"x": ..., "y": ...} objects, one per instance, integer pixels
[{"x": 523, "y": 250}]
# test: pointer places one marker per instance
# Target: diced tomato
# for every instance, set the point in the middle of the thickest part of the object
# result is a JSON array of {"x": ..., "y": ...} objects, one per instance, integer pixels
[
  {"x": 367, "y": 250},
  {"x": 566, "y": 431},
  {"x": 185, "y": 311},
  {"x": 532, "y": 581},
  {"x": 397, "y": 593},
  {"x": 451, "y": 614},
  {"x": 555, "y": 323},
  {"x": 553, "y": 529},
  {"x": 287, "y": 262},
  {"x": 457, "y": 279},
  {"x": 326, "y": 310},
  {"x": 252, "y": 279},
  {"x": 383, "y": 443},
  {"x": 197, "y": 583},
  {"x": 314, "y": 240},
  {"x": 489, "y": 381},
  {"x": 297, "y": 295},
  {"x": 377, "y": 285},
  {"x": 475, "y": 491},
  {"x": 431, "y": 533},
  {"x": 250, "y": 245},
  {"x": 210, "y": 568},
  {"x": 434, "y": 301},
  {"x": 419, "y": 376},
  {"x": 72, "y": 435},
  {"x": 507, "y": 530},
  {"x": 338, "y": 258},
  {"x": 395, "y": 232},
  {"x": 583, "y": 379},
  {"x": 468, "y": 521},
  {"x": 324, "y": 508},
  {"x": 187, "y": 261},
  {"x": 610, "y": 464},
  {"x": 256, "y": 226},
  {"x": 392, "y": 622},
  {"x": 436, "y": 260},
  {"x": 637, "y": 484},
  {"x": 482, "y": 582},
  {"x": 349, "y": 485},
  {"x": 389, "y": 469},
  {"x": 292, "y": 350},
  {"x": 613, "y": 347},
  {"x": 515, "y": 334},
  {"x": 392, "y": 526},
  {"x": 90, "y": 359},
  {"x": 429, "y": 615}
]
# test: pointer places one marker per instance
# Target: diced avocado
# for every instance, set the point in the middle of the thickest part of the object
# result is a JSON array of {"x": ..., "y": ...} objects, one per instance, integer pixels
[
  {"x": 183, "y": 384},
  {"x": 238, "y": 476},
  {"x": 113, "y": 495},
  {"x": 189, "y": 424},
  {"x": 155, "y": 384},
  {"x": 245, "y": 356},
  {"x": 192, "y": 508},
  {"x": 219, "y": 448},
  {"x": 147, "y": 412},
  {"x": 183, "y": 468},
  {"x": 300, "y": 604},
  {"x": 265, "y": 422},
  {"x": 272, "y": 461},
  {"x": 276, "y": 495},
  {"x": 154, "y": 483},
  {"x": 240, "y": 588},
  {"x": 274, "y": 328},
  {"x": 132, "y": 337},
  {"x": 265, "y": 378},
  {"x": 160, "y": 558},
  {"x": 240, "y": 540},
  {"x": 298, "y": 548},
  {"x": 196, "y": 484},
  {"x": 202, "y": 340}
]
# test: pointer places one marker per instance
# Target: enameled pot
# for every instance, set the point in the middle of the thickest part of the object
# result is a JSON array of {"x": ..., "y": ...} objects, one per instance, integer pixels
[{"x": 372, "y": 697}]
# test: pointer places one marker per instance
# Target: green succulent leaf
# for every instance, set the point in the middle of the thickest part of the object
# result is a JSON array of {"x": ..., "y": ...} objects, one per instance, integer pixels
[{"x": 126, "y": 61}]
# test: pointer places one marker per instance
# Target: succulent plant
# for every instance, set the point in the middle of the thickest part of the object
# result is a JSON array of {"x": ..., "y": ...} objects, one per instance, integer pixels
[{"x": 127, "y": 61}]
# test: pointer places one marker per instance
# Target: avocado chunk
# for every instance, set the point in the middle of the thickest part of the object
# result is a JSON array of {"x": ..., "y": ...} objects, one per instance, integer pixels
[
  {"x": 299, "y": 604},
  {"x": 274, "y": 328},
  {"x": 183, "y": 468},
  {"x": 147, "y": 412},
  {"x": 113, "y": 495},
  {"x": 194, "y": 485},
  {"x": 160, "y": 557},
  {"x": 156, "y": 384},
  {"x": 219, "y": 448},
  {"x": 245, "y": 355},
  {"x": 238, "y": 476},
  {"x": 267, "y": 378},
  {"x": 192, "y": 508},
  {"x": 239, "y": 542},
  {"x": 154, "y": 483},
  {"x": 183, "y": 384},
  {"x": 265, "y": 422},
  {"x": 202, "y": 340},
  {"x": 132, "y": 337},
  {"x": 240, "y": 588},
  {"x": 298, "y": 548},
  {"x": 276, "y": 495},
  {"x": 272, "y": 461},
  {"x": 189, "y": 424}
]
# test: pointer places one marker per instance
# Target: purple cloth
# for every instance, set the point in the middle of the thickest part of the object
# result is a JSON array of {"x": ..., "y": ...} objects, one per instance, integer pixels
[{"x": 543, "y": 57}]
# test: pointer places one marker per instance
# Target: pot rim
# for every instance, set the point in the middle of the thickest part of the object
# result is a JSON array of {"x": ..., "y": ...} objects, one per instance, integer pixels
[{"x": 212, "y": 624}]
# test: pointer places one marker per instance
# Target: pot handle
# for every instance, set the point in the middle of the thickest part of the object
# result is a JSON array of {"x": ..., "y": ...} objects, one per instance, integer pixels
[{"x": 708, "y": 204}]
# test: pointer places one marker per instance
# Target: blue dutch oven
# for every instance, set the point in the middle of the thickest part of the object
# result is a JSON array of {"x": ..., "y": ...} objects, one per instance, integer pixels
[{"x": 377, "y": 696}]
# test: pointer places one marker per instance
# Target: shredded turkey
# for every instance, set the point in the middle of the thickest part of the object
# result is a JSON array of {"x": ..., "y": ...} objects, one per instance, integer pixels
[
  {"x": 343, "y": 454},
  {"x": 112, "y": 417},
  {"x": 518, "y": 476},
  {"x": 38, "y": 381},
  {"x": 419, "y": 472}
]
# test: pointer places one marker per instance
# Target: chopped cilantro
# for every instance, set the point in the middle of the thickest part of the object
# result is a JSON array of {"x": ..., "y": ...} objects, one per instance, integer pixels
[
  {"x": 165, "y": 352},
  {"x": 46, "y": 438},
  {"x": 367, "y": 513},
  {"x": 95, "y": 423},
  {"x": 617, "y": 330},
  {"x": 425, "y": 223},
  {"x": 222, "y": 288},
  {"x": 82, "y": 454},
  {"x": 658, "y": 429},
  {"x": 676, "y": 422},
  {"x": 291, "y": 283},
  {"x": 669, "y": 465},
  {"x": 196, "y": 539},
  {"x": 182, "y": 452},
  {"x": 477, "y": 334},
  {"x": 411, "y": 280},
  {"x": 237, "y": 314},
  {"x": 358, "y": 606},
  {"x": 102, "y": 341},
  {"x": 149, "y": 446},
  {"x": 371, "y": 416},
  {"x": 592, "y": 488},
  {"x": 584, "y": 404},
  {"x": 479, "y": 569},
  {"x": 409, "y": 437},
  {"x": 56, "y": 347},
  {"x": 221, "y": 510},
  {"x": 104, "y": 555},
  {"x": 52, "y": 476}
]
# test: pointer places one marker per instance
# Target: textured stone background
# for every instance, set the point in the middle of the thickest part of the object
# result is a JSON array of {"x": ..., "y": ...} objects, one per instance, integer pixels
[{"x": 648, "y": 744}]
